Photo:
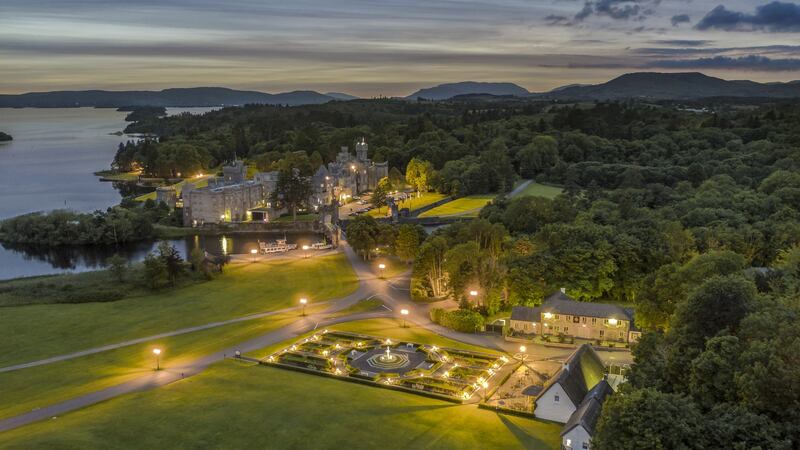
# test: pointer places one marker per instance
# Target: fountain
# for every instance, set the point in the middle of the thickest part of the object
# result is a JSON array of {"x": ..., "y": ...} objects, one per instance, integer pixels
[
  {"x": 388, "y": 357},
  {"x": 388, "y": 361}
]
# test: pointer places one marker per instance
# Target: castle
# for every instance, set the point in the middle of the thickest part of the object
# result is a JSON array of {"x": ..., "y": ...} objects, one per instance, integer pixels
[{"x": 234, "y": 198}]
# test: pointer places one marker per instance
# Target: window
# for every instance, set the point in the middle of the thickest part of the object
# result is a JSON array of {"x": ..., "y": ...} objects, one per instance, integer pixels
[
  {"x": 583, "y": 319},
  {"x": 594, "y": 320},
  {"x": 569, "y": 442},
  {"x": 605, "y": 321},
  {"x": 556, "y": 316},
  {"x": 601, "y": 333},
  {"x": 620, "y": 334},
  {"x": 585, "y": 446},
  {"x": 566, "y": 329},
  {"x": 556, "y": 398}
]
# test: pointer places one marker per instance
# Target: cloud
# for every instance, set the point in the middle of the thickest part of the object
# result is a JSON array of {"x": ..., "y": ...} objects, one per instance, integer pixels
[
  {"x": 617, "y": 9},
  {"x": 749, "y": 62},
  {"x": 774, "y": 17},
  {"x": 554, "y": 19},
  {"x": 679, "y": 19},
  {"x": 683, "y": 42}
]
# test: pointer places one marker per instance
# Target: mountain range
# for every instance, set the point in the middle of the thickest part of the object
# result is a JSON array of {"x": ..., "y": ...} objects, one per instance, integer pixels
[{"x": 640, "y": 85}]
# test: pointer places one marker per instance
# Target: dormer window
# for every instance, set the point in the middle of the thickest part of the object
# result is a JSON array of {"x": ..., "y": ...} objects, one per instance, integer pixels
[{"x": 556, "y": 398}]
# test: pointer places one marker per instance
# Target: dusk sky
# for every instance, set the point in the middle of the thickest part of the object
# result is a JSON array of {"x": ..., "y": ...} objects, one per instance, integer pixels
[{"x": 387, "y": 47}]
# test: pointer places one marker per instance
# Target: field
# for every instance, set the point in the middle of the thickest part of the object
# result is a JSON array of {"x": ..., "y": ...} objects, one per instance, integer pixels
[
  {"x": 237, "y": 405},
  {"x": 541, "y": 190},
  {"x": 464, "y": 207},
  {"x": 243, "y": 289},
  {"x": 26, "y": 389},
  {"x": 414, "y": 203}
]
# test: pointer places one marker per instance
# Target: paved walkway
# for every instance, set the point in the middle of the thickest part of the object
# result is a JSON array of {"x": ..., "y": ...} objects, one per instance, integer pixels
[{"x": 518, "y": 190}]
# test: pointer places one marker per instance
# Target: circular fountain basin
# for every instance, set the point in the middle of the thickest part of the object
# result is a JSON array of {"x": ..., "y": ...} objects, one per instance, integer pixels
[{"x": 398, "y": 361}]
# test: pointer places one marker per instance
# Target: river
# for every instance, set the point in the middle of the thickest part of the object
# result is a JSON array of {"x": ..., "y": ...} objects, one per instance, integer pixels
[{"x": 50, "y": 164}]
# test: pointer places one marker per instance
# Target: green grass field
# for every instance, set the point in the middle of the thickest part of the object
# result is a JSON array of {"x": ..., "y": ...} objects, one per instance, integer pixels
[
  {"x": 39, "y": 331},
  {"x": 414, "y": 203},
  {"x": 238, "y": 405},
  {"x": 464, "y": 207},
  {"x": 541, "y": 190},
  {"x": 26, "y": 389}
]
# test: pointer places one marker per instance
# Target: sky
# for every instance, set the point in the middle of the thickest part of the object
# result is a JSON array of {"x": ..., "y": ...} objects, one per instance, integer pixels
[{"x": 386, "y": 47}]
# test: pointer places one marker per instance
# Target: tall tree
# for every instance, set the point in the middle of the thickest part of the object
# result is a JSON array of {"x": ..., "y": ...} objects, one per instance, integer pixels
[{"x": 292, "y": 191}]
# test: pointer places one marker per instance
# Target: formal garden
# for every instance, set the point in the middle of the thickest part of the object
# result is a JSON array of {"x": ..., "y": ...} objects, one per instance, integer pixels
[{"x": 455, "y": 375}]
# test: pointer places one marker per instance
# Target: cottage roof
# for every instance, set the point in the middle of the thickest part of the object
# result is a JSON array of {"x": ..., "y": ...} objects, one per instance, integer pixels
[
  {"x": 526, "y": 313},
  {"x": 589, "y": 410},
  {"x": 580, "y": 373},
  {"x": 560, "y": 303}
]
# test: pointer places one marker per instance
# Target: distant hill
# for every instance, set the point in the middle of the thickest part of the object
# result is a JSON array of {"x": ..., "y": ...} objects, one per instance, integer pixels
[
  {"x": 341, "y": 96},
  {"x": 450, "y": 90},
  {"x": 673, "y": 86},
  {"x": 184, "y": 97}
]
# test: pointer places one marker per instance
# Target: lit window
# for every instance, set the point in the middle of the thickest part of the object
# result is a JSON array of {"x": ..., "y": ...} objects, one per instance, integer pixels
[{"x": 569, "y": 442}]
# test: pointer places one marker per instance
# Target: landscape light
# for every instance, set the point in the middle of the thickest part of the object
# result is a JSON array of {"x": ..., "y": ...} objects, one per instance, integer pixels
[
  {"x": 404, "y": 313},
  {"x": 157, "y": 352},
  {"x": 305, "y": 251},
  {"x": 303, "y": 302},
  {"x": 473, "y": 293},
  {"x": 382, "y": 267},
  {"x": 254, "y": 252},
  {"x": 522, "y": 349}
]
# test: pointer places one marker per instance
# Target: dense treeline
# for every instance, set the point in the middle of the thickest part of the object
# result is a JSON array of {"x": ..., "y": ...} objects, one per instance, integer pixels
[
  {"x": 115, "y": 226},
  {"x": 4, "y": 137}
]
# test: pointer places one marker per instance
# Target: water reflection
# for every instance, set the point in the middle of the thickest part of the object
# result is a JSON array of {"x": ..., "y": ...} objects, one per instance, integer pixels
[{"x": 27, "y": 260}]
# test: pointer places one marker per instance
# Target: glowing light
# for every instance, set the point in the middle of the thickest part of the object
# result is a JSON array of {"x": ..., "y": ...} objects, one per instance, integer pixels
[
  {"x": 381, "y": 266},
  {"x": 548, "y": 315},
  {"x": 522, "y": 349},
  {"x": 473, "y": 293},
  {"x": 156, "y": 351},
  {"x": 404, "y": 312},
  {"x": 612, "y": 321}
]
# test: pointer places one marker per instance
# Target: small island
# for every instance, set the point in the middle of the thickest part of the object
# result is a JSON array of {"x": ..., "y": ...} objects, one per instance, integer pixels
[{"x": 5, "y": 137}]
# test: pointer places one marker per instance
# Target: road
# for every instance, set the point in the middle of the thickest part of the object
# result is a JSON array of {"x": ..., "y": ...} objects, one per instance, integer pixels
[{"x": 393, "y": 292}]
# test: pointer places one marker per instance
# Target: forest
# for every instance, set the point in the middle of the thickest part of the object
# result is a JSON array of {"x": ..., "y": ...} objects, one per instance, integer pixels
[{"x": 691, "y": 217}]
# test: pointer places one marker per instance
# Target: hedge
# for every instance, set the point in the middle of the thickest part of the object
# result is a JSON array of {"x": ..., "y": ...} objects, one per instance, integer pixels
[{"x": 460, "y": 320}]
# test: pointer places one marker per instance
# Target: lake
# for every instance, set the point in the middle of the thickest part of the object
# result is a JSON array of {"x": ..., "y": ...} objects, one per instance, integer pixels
[
  {"x": 50, "y": 164},
  {"x": 25, "y": 261}
]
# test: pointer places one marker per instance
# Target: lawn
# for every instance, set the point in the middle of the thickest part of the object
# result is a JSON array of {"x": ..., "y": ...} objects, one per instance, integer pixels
[
  {"x": 541, "y": 190},
  {"x": 26, "y": 389},
  {"x": 465, "y": 207},
  {"x": 199, "y": 182},
  {"x": 413, "y": 203},
  {"x": 300, "y": 218},
  {"x": 237, "y": 405},
  {"x": 39, "y": 331}
]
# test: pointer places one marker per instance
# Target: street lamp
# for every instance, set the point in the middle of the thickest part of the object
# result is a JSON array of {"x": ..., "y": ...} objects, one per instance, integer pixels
[
  {"x": 157, "y": 352},
  {"x": 522, "y": 349},
  {"x": 305, "y": 251},
  {"x": 303, "y": 302},
  {"x": 382, "y": 267},
  {"x": 254, "y": 252},
  {"x": 404, "y": 313}
]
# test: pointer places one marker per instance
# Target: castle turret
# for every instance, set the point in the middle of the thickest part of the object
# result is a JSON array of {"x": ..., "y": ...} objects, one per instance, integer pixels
[{"x": 361, "y": 149}]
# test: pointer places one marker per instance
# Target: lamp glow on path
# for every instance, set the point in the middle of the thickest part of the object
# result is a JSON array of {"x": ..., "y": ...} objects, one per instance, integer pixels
[
  {"x": 254, "y": 252},
  {"x": 382, "y": 267},
  {"x": 303, "y": 302},
  {"x": 404, "y": 313},
  {"x": 305, "y": 250},
  {"x": 157, "y": 352}
]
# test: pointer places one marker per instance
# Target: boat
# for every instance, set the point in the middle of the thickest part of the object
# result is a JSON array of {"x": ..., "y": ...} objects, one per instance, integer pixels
[
  {"x": 321, "y": 246},
  {"x": 279, "y": 246}
]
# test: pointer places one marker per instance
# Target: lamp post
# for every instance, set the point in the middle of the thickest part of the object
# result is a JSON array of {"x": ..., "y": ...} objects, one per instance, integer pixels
[
  {"x": 254, "y": 252},
  {"x": 157, "y": 352},
  {"x": 474, "y": 294},
  {"x": 303, "y": 302},
  {"x": 382, "y": 267},
  {"x": 305, "y": 251},
  {"x": 404, "y": 313}
]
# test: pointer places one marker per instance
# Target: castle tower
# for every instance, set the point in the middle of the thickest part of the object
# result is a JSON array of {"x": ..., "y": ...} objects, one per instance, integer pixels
[{"x": 361, "y": 149}]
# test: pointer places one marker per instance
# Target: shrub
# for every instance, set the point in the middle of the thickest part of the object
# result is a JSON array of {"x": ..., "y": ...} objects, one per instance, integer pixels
[{"x": 460, "y": 320}]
